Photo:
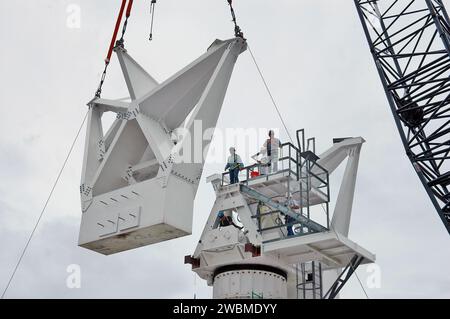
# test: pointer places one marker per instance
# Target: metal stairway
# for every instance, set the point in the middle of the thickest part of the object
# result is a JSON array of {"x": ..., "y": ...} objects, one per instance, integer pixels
[{"x": 311, "y": 225}]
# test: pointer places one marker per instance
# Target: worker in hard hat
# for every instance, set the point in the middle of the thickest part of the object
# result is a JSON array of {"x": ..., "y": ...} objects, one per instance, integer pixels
[
  {"x": 234, "y": 165},
  {"x": 272, "y": 145},
  {"x": 225, "y": 219},
  {"x": 263, "y": 160}
]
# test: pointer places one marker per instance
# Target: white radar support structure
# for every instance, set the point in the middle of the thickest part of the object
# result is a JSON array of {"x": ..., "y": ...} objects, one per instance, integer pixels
[
  {"x": 133, "y": 172},
  {"x": 271, "y": 236}
]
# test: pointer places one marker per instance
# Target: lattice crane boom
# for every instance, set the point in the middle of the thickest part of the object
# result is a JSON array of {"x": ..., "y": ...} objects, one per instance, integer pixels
[{"x": 410, "y": 43}]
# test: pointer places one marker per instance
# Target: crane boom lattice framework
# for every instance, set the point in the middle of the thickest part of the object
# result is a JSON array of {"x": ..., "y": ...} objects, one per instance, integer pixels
[{"x": 410, "y": 43}]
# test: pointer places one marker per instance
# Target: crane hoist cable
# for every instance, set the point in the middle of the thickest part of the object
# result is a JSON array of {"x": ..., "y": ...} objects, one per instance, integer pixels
[
  {"x": 277, "y": 109},
  {"x": 238, "y": 33},
  {"x": 152, "y": 13},
  {"x": 237, "y": 30},
  {"x": 113, "y": 43},
  {"x": 124, "y": 29}
]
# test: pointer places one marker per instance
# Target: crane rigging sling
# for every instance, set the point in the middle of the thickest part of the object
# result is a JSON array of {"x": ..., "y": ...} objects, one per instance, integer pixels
[{"x": 113, "y": 43}]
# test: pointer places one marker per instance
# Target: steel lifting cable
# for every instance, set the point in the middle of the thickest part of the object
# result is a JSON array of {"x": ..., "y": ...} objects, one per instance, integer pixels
[
  {"x": 270, "y": 94},
  {"x": 354, "y": 271},
  {"x": 44, "y": 207},
  {"x": 237, "y": 30},
  {"x": 152, "y": 13},
  {"x": 113, "y": 43},
  {"x": 124, "y": 29},
  {"x": 359, "y": 280},
  {"x": 238, "y": 33}
]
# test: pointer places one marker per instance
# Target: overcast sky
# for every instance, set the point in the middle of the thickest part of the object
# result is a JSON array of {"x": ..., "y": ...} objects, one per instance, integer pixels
[{"x": 317, "y": 62}]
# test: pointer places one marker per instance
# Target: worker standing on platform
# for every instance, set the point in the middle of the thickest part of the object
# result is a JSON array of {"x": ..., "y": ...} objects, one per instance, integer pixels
[
  {"x": 234, "y": 165},
  {"x": 272, "y": 145}
]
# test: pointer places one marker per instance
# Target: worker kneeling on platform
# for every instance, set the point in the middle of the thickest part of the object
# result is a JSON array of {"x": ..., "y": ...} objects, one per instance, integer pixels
[{"x": 234, "y": 165}]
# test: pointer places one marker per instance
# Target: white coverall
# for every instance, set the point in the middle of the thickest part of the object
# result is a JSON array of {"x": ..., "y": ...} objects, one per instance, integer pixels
[
  {"x": 261, "y": 158},
  {"x": 272, "y": 144}
]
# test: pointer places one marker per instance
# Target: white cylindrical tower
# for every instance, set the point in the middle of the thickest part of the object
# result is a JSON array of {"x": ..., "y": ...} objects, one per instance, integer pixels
[{"x": 249, "y": 282}]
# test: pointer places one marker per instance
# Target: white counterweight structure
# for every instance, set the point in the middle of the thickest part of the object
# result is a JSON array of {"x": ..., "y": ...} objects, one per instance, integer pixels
[
  {"x": 133, "y": 173},
  {"x": 250, "y": 282},
  {"x": 255, "y": 257}
]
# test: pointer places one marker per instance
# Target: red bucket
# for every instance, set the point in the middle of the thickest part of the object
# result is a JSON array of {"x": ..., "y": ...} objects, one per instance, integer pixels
[{"x": 254, "y": 174}]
